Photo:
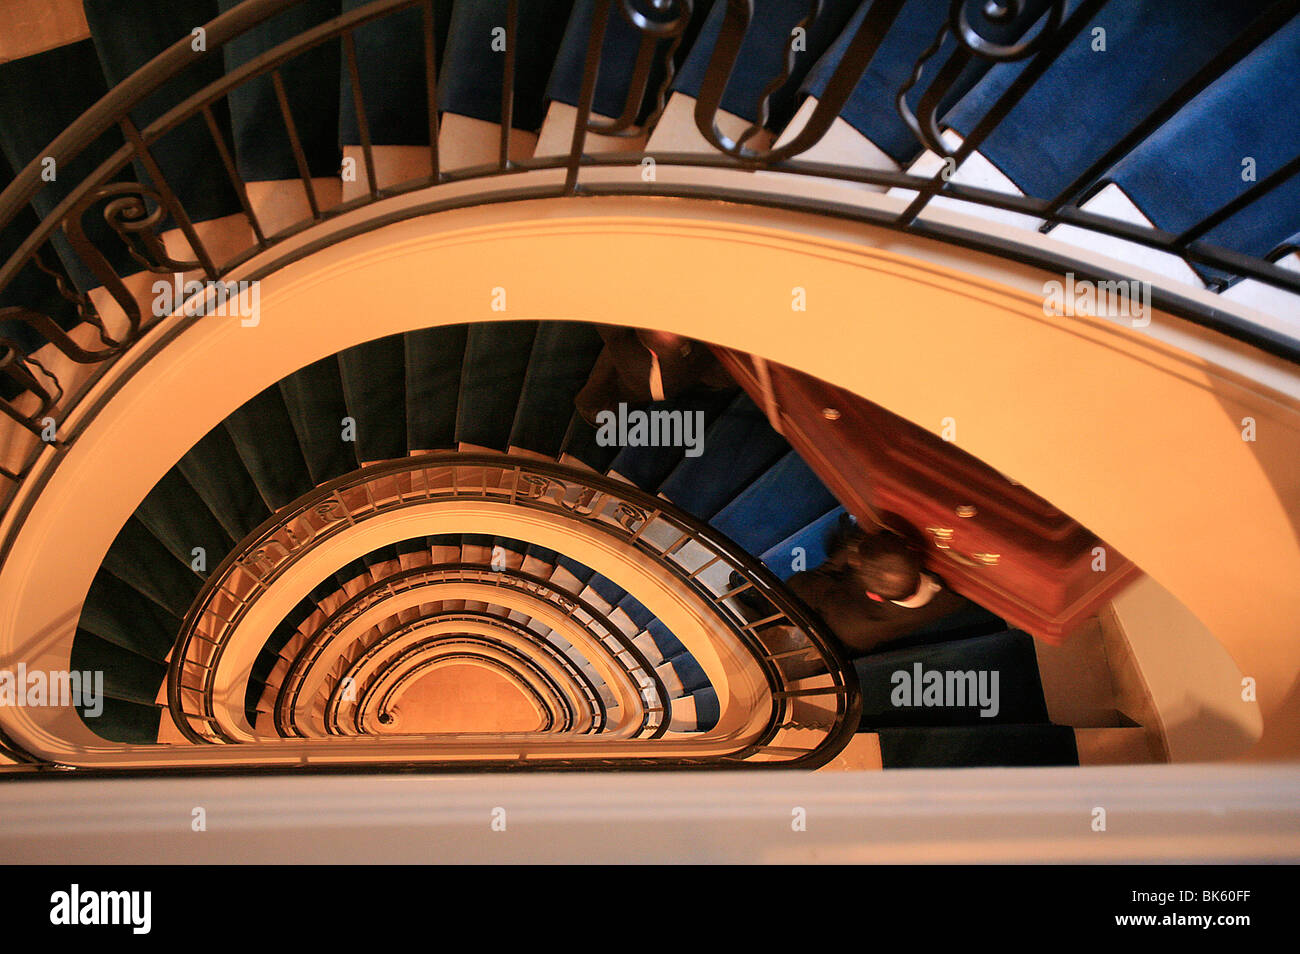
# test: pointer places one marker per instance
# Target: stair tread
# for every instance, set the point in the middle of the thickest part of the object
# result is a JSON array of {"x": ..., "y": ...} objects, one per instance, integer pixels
[
  {"x": 315, "y": 400},
  {"x": 1018, "y": 697},
  {"x": 262, "y": 147},
  {"x": 470, "y": 83},
  {"x": 562, "y": 357},
  {"x": 977, "y": 746},
  {"x": 374, "y": 385},
  {"x": 784, "y": 499},
  {"x": 433, "y": 359},
  {"x": 492, "y": 377},
  {"x": 70, "y": 81},
  {"x": 265, "y": 440},
  {"x": 126, "y": 37},
  {"x": 390, "y": 60}
]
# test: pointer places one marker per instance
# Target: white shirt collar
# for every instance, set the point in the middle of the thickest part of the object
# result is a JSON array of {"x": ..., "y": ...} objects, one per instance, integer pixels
[{"x": 925, "y": 591}]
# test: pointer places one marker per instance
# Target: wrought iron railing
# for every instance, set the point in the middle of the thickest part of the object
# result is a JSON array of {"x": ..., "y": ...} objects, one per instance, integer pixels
[
  {"x": 377, "y": 697},
  {"x": 799, "y": 664},
  {"x": 591, "y": 703},
  {"x": 602, "y": 633},
  {"x": 136, "y": 211},
  {"x": 385, "y": 703}
]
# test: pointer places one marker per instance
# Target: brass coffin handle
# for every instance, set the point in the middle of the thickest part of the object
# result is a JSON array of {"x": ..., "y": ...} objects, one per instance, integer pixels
[{"x": 943, "y": 541}]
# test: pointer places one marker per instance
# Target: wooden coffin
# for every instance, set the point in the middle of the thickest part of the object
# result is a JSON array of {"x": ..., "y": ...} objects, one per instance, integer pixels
[{"x": 991, "y": 539}]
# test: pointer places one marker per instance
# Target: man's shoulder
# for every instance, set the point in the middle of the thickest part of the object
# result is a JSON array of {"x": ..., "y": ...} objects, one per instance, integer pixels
[{"x": 820, "y": 580}]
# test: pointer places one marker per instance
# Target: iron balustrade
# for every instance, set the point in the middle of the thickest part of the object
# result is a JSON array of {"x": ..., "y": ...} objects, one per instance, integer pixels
[
  {"x": 135, "y": 211},
  {"x": 800, "y": 664},
  {"x": 601, "y": 631},
  {"x": 559, "y": 716},
  {"x": 594, "y": 704},
  {"x": 386, "y": 703}
]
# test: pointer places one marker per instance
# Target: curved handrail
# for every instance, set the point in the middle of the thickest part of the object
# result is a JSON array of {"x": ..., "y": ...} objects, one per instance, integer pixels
[
  {"x": 126, "y": 95},
  {"x": 386, "y": 700},
  {"x": 431, "y": 649},
  {"x": 291, "y": 686},
  {"x": 652, "y": 525},
  {"x": 114, "y": 109},
  {"x": 595, "y": 704},
  {"x": 135, "y": 223}
]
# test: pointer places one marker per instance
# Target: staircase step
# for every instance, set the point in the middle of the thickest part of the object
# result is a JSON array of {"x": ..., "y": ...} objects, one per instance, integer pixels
[
  {"x": 1232, "y": 119},
  {"x": 177, "y": 516},
  {"x": 70, "y": 82},
  {"x": 215, "y": 470},
  {"x": 314, "y": 398},
  {"x": 126, "y": 37},
  {"x": 707, "y": 708},
  {"x": 385, "y": 557},
  {"x": 581, "y": 446},
  {"x": 670, "y": 647},
  {"x": 871, "y": 108},
  {"x": 433, "y": 367},
  {"x": 262, "y": 146},
  {"x": 1009, "y": 655},
  {"x": 471, "y": 81},
  {"x": 1098, "y": 96},
  {"x": 636, "y": 611},
  {"x": 806, "y": 548},
  {"x": 621, "y": 45},
  {"x": 31, "y": 288},
  {"x": 762, "y": 55},
  {"x": 739, "y": 446},
  {"x": 127, "y": 722},
  {"x": 390, "y": 54},
  {"x": 126, "y": 676},
  {"x": 138, "y": 559},
  {"x": 690, "y": 672},
  {"x": 648, "y": 467},
  {"x": 977, "y": 746},
  {"x": 492, "y": 377},
  {"x": 609, "y": 591},
  {"x": 267, "y": 444},
  {"x": 374, "y": 384},
  {"x": 785, "y": 499},
  {"x": 117, "y": 613},
  {"x": 561, "y": 361}
]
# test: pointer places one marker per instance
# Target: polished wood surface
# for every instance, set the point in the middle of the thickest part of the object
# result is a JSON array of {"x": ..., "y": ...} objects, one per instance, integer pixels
[{"x": 993, "y": 540}]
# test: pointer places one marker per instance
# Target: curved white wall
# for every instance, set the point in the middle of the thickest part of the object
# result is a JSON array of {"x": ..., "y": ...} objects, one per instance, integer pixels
[{"x": 1136, "y": 433}]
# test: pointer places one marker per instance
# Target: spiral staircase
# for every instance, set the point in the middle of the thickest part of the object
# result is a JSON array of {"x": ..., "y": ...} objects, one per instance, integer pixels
[{"x": 405, "y": 547}]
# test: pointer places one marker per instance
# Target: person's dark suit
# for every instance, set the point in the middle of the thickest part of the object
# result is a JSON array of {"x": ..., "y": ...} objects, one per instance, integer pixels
[
  {"x": 860, "y": 623},
  {"x": 622, "y": 372}
]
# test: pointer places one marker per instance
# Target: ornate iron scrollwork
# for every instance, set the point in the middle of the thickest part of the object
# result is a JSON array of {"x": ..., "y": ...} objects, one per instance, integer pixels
[
  {"x": 630, "y": 518},
  {"x": 18, "y": 368},
  {"x": 585, "y": 504},
  {"x": 668, "y": 24},
  {"x": 328, "y": 511},
  {"x": 871, "y": 31},
  {"x": 995, "y": 14},
  {"x": 533, "y": 486},
  {"x": 726, "y": 54},
  {"x": 1002, "y": 13},
  {"x": 134, "y": 212},
  {"x": 51, "y": 332},
  {"x": 86, "y": 310},
  {"x": 249, "y": 562}
]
